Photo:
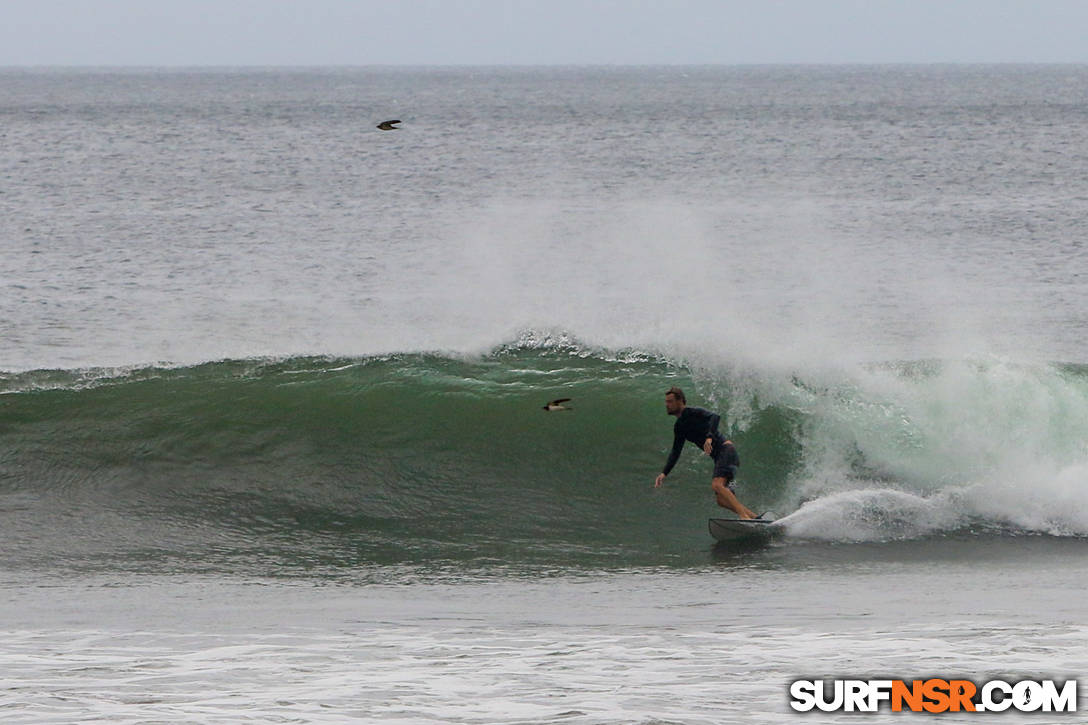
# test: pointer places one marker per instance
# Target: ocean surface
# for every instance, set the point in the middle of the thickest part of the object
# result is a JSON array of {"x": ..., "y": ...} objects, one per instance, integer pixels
[{"x": 271, "y": 439}]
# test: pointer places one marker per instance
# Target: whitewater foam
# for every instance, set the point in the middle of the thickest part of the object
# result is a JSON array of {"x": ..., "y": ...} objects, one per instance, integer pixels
[{"x": 963, "y": 441}]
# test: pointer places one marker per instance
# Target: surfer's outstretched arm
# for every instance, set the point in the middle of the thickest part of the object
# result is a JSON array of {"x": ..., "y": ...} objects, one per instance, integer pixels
[{"x": 674, "y": 456}]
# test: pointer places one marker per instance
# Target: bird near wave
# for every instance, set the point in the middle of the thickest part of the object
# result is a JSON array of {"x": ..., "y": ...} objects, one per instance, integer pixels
[{"x": 557, "y": 404}]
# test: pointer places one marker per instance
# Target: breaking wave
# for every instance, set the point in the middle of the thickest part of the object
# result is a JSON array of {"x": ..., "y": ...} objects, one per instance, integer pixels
[{"x": 405, "y": 458}]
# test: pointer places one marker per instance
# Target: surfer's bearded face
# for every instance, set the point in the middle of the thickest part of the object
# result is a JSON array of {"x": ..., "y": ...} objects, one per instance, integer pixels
[{"x": 672, "y": 404}]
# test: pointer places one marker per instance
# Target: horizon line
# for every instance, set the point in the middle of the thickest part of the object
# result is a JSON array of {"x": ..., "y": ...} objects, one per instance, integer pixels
[{"x": 742, "y": 64}]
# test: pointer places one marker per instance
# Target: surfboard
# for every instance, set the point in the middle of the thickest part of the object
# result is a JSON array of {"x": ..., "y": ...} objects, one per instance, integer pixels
[{"x": 741, "y": 529}]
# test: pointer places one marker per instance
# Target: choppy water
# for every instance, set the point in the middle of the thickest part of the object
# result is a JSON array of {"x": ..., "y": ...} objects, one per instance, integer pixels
[{"x": 271, "y": 446}]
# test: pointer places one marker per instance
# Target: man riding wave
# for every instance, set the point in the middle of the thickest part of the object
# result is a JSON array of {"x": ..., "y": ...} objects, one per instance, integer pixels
[{"x": 700, "y": 427}]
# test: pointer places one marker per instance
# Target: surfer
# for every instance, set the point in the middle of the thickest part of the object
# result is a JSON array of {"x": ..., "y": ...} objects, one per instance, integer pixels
[{"x": 700, "y": 426}]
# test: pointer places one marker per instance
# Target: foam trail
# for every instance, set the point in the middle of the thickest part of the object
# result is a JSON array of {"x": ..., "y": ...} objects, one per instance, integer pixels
[{"x": 876, "y": 514}]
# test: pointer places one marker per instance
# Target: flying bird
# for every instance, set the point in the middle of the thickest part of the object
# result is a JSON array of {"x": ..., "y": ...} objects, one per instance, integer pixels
[
  {"x": 558, "y": 405},
  {"x": 389, "y": 125}
]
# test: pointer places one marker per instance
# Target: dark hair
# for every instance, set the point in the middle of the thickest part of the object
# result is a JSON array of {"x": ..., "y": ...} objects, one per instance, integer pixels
[{"x": 677, "y": 393}]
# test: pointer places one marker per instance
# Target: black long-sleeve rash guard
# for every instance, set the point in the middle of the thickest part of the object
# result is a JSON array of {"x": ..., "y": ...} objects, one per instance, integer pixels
[{"x": 695, "y": 425}]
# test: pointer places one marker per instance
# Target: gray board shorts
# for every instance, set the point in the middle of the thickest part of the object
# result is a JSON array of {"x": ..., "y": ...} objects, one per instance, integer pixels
[{"x": 726, "y": 463}]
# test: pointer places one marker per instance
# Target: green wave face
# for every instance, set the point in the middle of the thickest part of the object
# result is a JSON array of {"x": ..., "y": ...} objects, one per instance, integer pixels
[{"x": 409, "y": 460}]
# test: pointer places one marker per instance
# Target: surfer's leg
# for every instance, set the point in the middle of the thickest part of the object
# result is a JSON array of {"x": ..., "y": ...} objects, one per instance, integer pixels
[{"x": 728, "y": 500}]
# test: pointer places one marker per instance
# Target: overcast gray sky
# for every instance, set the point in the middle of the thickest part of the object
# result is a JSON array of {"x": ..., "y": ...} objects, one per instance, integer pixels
[{"x": 503, "y": 32}]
